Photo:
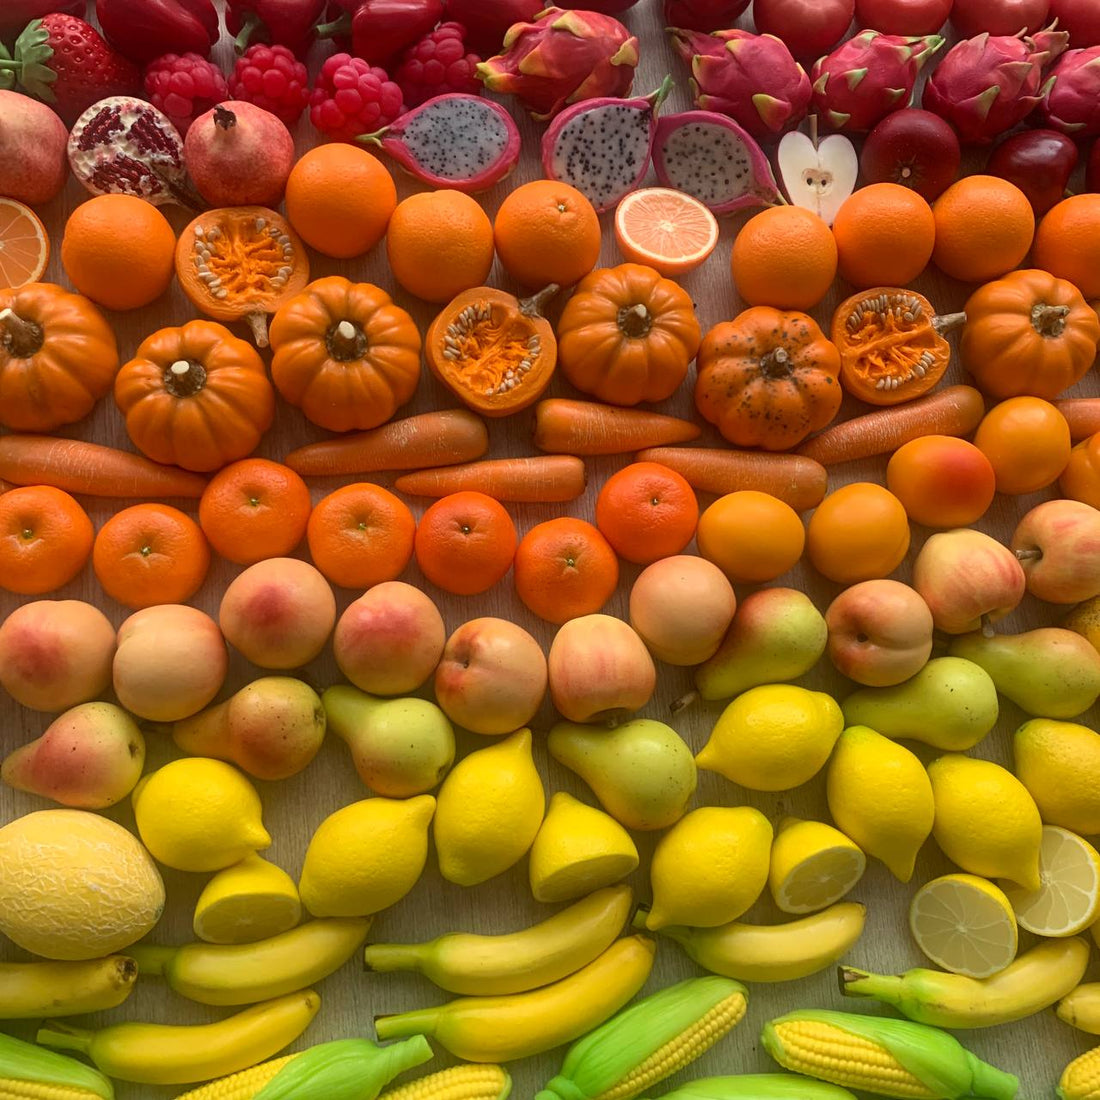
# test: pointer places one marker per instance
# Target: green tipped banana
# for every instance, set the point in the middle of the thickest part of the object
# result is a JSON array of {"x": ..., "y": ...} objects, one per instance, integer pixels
[{"x": 758, "y": 1086}]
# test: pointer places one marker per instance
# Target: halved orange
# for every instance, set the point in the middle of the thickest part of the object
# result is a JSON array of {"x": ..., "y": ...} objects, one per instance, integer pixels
[
  {"x": 24, "y": 245},
  {"x": 666, "y": 229}
]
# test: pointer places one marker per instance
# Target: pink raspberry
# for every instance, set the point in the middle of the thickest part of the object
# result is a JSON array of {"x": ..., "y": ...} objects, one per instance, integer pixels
[
  {"x": 352, "y": 98},
  {"x": 271, "y": 77},
  {"x": 438, "y": 64},
  {"x": 184, "y": 87}
]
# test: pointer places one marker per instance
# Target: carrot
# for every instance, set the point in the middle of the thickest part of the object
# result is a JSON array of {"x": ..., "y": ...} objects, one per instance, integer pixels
[
  {"x": 1082, "y": 414},
  {"x": 88, "y": 468},
  {"x": 800, "y": 482},
  {"x": 537, "y": 480},
  {"x": 430, "y": 439},
  {"x": 589, "y": 428},
  {"x": 956, "y": 410}
]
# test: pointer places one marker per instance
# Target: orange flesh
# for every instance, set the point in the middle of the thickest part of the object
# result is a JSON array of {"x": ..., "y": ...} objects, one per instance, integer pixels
[
  {"x": 491, "y": 347},
  {"x": 240, "y": 263},
  {"x": 24, "y": 245}
]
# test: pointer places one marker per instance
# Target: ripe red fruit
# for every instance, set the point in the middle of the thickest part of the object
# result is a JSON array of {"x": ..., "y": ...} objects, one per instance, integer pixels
[
  {"x": 905, "y": 17},
  {"x": 1039, "y": 162},
  {"x": 914, "y": 148},
  {"x": 1081, "y": 18},
  {"x": 271, "y": 77},
  {"x": 184, "y": 87},
  {"x": 810, "y": 28},
  {"x": 997, "y": 17}
]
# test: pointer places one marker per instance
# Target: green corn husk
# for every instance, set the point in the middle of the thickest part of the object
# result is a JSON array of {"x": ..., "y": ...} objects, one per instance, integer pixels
[
  {"x": 595, "y": 1065},
  {"x": 946, "y": 1068},
  {"x": 20, "y": 1061},
  {"x": 759, "y": 1086}
]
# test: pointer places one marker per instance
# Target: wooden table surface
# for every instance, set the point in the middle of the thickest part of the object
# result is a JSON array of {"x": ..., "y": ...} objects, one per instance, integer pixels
[{"x": 1036, "y": 1049}]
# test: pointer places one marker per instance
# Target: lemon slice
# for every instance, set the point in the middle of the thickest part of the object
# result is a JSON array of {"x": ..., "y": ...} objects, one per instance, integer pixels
[
  {"x": 252, "y": 900},
  {"x": 964, "y": 924},
  {"x": 813, "y": 865},
  {"x": 1068, "y": 899}
]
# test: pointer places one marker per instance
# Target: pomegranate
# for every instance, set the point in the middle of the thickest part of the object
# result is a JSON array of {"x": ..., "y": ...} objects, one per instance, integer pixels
[
  {"x": 810, "y": 28},
  {"x": 33, "y": 162}
]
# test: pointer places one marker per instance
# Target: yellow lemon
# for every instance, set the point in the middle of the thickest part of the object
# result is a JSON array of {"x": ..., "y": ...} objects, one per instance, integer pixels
[
  {"x": 1068, "y": 898},
  {"x": 1059, "y": 763},
  {"x": 773, "y": 738},
  {"x": 986, "y": 822},
  {"x": 880, "y": 796},
  {"x": 252, "y": 900},
  {"x": 964, "y": 924},
  {"x": 813, "y": 865},
  {"x": 710, "y": 867},
  {"x": 366, "y": 857},
  {"x": 198, "y": 814},
  {"x": 490, "y": 809},
  {"x": 578, "y": 849}
]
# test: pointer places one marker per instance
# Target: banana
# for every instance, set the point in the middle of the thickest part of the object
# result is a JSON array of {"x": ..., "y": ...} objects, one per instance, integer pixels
[
  {"x": 1081, "y": 1008},
  {"x": 242, "y": 974},
  {"x": 1033, "y": 982},
  {"x": 772, "y": 953},
  {"x": 502, "y": 1029},
  {"x": 160, "y": 1054},
  {"x": 488, "y": 966},
  {"x": 44, "y": 989}
]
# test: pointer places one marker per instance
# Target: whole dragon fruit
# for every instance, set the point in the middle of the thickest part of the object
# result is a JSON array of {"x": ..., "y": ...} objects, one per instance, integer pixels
[
  {"x": 986, "y": 85},
  {"x": 563, "y": 57},
  {"x": 869, "y": 76},
  {"x": 1071, "y": 100},
  {"x": 751, "y": 77}
]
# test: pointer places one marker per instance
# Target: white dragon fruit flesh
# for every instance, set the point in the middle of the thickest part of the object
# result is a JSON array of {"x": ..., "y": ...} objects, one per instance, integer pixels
[
  {"x": 868, "y": 77},
  {"x": 459, "y": 141},
  {"x": 1071, "y": 102},
  {"x": 988, "y": 84},
  {"x": 710, "y": 157},
  {"x": 751, "y": 77}
]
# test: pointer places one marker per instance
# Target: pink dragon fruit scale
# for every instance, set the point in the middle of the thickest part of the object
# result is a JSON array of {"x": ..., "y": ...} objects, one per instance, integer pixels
[
  {"x": 868, "y": 77},
  {"x": 987, "y": 84},
  {"x": 1071, "y": 99},
  {"x": 751, "y": 78},
  {"x": 563, "y": 57}
]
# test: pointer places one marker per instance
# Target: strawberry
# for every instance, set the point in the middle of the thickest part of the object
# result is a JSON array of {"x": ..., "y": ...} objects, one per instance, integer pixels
[{"x": 65, "y": 61}]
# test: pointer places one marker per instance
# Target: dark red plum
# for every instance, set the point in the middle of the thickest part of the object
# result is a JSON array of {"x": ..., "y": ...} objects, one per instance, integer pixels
[{"x": 1039, "y": 162}]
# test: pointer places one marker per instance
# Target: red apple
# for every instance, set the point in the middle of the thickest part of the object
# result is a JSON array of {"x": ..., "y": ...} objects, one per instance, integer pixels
[
  {"x": 1039, "y": 162},
  {"x": 1081, "y": 18},
  {"x": 914, "y": 148},
  {"x": 1058, "y": 544},
  {"x": 972, "y": 17},
  {"x": 810, "y": 28},
  {"x": 903, "y": 16}
]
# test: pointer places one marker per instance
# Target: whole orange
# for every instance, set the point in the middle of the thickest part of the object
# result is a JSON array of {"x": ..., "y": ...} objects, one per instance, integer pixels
[
  {"x": 1027, "y": 442},
  {"x": 119, "y": 251},
  {"x": 45, "y": 539},
  {"x": 465, "y": 543},
  {"x": 858, "y": 533},
  {"x": 984, "y": 228},
  {"x": 547, "y": 232},
  {"x": 884, "y": 234},
  {"x": 1067, "y": 243},
  {"x": 339, "y": 199},
  {"x": 647, "y": 511},
  {"x": 942, "y": 481},
  {"x": 784, "y": 257},
  {"x": 439, "y": 243},
  {"x": 752, "y": 537}
]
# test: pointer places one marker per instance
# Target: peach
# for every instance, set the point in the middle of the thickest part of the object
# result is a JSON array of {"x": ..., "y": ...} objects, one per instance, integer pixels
[
  {"x": 681, "y": 608},
  {"x": 492, "y": 678},
  {"x": 1058, "y": 545},
  {"x": 389, "y": 641},
  {"x": 171, "y": 661},
  {"x": 278, "y": 613},
  {"x": 880, "y": 633},
  {"x": 600, "y": 670},
  {"x": 55, "y": 654},
  {"x": 942, "y": 481}
]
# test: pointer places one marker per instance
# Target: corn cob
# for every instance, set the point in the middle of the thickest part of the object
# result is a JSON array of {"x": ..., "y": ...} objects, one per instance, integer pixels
[
  {"x": 464, "y": 1082},
  {"x": 758, "y": 1086},
  {"x": 239, "y": 1086},
  {"x": 889, "y": 1057},
  {"x": 649, "y": 1041},
  {"x": 1081, "y": 1078},
  {"x": 28, "y": 1072}
]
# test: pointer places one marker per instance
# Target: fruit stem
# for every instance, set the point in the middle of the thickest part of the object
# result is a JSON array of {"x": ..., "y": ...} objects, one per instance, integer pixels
[
  {"x": 687, "y": 700},
  {"x": 532, "y": 307},
  {"x": 657, "y": 97},
  {"x": 948, "y": 322},
  {"x": 1029, "y": 555},
  {"x": 223, "y": 118},
  {"x": 639, "y": 917},
  {"x": 346, "y": 342},
  {"x": 23, "y": 338},
  {"x": 776, "y": 364},
  {"x": 257, "y": 322},
  {"x": 1049, "y": 320},
  {"x": 151, "y": 960},
  {"x": 337, "y": 26},
  {"x": 634, "y": 321},
  {"x": 384, "y": 958},
  {"x": 422, "y": 1021},
  {"x": 185, "y": 378},
  {"x": 860, "y": 983},
  {"x": 249, "y": 25},
  {"x": 65, "y": 1037},
  {"x": 987, "y": 627}
]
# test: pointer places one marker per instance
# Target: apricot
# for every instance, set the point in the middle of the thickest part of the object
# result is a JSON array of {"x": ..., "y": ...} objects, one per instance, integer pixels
[
  {"x": 752, "y": 537},
  {"x": 860, "y": 532},
  {"x": 1027, "y": 442},
  {"x": 942, "y": 481}
]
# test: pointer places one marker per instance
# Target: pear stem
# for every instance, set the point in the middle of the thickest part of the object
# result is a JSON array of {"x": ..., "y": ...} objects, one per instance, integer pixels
[
  {"x": 687, "y": 700},
  {"x": 1029, "y": 555},
  {"x": 987, "y": 627}
]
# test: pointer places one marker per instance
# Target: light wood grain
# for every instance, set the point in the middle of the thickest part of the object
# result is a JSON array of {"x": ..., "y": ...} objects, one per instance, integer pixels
[{"x": 1036, "y": 1049}]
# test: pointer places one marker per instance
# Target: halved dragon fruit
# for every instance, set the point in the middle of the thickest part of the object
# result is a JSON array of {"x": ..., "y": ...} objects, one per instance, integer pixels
[
  {"x": 710, "y": 157},
  {"x": 1071, "y": 102},
  {"x": 602, "y": 146},
  {"x": 456, "y": 140},
  {"x": 125, "y": 146}
]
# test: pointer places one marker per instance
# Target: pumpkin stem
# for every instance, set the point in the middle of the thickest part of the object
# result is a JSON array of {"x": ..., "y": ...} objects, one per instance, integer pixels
[
  {"x": 346, "y": 341},
  {"x": 776, "y": 364},
  {"x": 635, "y": 321},
  {"x": 23, "y": 338},
  {"x": 532, "y": 307},
  {"x": 1049, "y": 320},
  {"x": 948, "y": 322},
  {"x": 185, "y": 378},
  {"x": 257, "y": 321}
]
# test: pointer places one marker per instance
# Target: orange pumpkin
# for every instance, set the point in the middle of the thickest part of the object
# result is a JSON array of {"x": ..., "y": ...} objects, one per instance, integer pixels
[
  {"x": 1028, "y": 334},
  {"x": 58, "y": 357},
  {"x": 345, "y": 354},
  {"x": 1080, "y": 480},
  {"x": 195, "y": 397},
  {"x": 628, "y": 335},
  {"x": 768, "y": 378}
]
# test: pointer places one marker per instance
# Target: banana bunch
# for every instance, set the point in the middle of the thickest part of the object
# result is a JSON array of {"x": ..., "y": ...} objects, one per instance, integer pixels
[
  {"x": 45, "y": 989},
  {"x": 1081, "y": 1008}
]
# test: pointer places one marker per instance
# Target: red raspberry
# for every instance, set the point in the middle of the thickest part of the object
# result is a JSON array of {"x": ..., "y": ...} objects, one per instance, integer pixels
[
  {"x": 272, "y": 78},
  {"x": 184, "y": 87},
  {"x": 438, "y": 64},
  {"x": 352, "y": 98}
]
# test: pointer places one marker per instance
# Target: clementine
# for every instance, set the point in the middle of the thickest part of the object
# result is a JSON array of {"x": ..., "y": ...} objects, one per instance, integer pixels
[
  {"x": 647, "y": 511},
  {"x": 45, "y": 539},
  {"x": 465, "y": 543}
]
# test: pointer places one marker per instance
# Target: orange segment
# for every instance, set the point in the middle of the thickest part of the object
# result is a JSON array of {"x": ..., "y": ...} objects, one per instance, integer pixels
[
  {"x": 24, "y": 245},
  {"x": 666, "y": 229}
]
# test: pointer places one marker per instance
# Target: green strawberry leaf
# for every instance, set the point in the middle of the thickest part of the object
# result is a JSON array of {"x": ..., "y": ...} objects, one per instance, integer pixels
[{"x": 32, "y": 52}]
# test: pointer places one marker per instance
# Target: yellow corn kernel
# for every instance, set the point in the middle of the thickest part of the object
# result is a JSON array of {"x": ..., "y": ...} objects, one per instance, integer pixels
[
  {"x": 832, "y": 1054},
  {"x": 1081, "y": 1079},
  {"x": 10, "y": 1089},
  {"x": 690, "y": 1044},
  {"x": 237, "y": 1086},
  {"x": 466, "y": 1082}
]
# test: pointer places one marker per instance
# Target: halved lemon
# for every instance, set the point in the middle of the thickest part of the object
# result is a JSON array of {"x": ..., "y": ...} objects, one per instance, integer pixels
[
  {"x": 1068, "y": 899},
  {"x": 666, "y": 229},
  {"x": 964, "y": 924},
  {"x": 250, "y": 901},
  {"x": 813, "y": 865},
  {"x": 24, "y": 245}
]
